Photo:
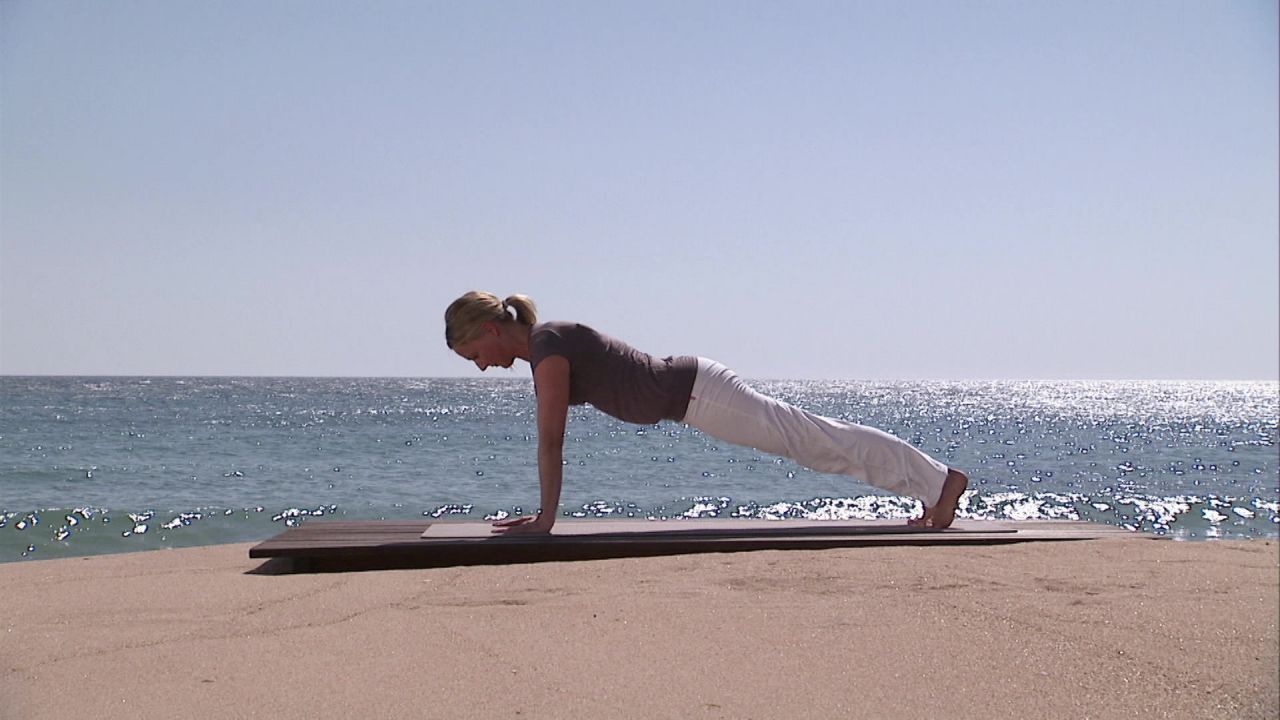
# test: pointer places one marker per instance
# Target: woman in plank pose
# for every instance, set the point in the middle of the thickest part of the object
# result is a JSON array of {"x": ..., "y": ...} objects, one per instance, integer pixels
[{"x": 573, "y": 364}]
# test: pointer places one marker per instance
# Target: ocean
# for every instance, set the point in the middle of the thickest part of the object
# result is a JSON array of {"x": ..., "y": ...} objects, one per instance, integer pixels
[{"x": 93, "y": 465}]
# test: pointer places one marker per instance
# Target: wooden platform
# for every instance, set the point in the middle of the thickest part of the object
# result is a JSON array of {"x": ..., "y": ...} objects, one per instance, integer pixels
[{"x": 320, "y": 546}]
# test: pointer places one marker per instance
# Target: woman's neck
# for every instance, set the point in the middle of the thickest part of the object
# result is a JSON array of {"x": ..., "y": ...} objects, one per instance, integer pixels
[{"x": 517, "y": 336}]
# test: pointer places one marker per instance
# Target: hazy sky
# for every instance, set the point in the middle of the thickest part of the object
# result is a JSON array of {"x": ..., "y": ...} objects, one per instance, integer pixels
[{"x": 856, "y": 189}]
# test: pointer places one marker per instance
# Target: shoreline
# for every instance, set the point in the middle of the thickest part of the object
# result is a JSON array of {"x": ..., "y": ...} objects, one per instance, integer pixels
[
  {"x": 1117, "y": 627},
  {"x": 90, "y": 535}
]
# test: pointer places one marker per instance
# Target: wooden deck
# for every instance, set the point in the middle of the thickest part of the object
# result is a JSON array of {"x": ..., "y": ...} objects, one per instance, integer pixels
[{"x": 320, "y": 546}]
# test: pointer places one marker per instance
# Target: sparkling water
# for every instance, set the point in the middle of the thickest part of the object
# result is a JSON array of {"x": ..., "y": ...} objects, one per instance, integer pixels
[{"x": 93, "y": 465}]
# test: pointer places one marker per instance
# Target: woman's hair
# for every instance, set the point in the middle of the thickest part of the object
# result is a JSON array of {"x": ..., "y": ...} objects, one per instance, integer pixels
[{"x": 467, "y": 314}]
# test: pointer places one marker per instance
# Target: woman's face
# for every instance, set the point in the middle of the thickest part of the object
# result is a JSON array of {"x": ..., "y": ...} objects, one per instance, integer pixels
[{"x": 487, "y": 350}]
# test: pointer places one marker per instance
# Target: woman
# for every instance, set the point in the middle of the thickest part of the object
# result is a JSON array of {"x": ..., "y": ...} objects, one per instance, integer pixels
[{"x": 573, "y": 364}]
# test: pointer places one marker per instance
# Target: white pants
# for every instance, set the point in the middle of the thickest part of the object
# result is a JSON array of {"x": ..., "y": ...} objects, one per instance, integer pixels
[{"x": 723, "y": 407}]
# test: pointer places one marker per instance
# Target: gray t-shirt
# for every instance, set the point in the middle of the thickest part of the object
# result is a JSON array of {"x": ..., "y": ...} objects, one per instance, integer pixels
[{"x": 616, "y": 378}]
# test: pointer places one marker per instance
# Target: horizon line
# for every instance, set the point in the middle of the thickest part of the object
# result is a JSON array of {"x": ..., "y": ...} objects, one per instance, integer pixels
[{"x": 495, "y": 378}]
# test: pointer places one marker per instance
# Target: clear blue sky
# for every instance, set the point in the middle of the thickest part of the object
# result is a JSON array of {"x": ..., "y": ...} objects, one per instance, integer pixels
[{"x": 855, "y": 189}]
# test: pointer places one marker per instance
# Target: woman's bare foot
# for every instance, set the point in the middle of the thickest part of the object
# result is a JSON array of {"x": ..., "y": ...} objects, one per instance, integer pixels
[{"x": 944, "y": 513}]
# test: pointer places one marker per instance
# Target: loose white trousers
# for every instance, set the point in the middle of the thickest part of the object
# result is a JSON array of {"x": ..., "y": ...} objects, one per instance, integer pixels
[{"x": 722, "y": 406}]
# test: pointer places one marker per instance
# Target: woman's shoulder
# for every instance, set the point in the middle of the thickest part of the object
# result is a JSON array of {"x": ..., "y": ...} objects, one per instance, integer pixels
[
  {"x": 562, "y": 329},
  {"x": 562, "y": 337}
]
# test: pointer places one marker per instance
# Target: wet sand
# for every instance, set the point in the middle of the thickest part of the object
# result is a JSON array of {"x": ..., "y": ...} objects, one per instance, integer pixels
[{"x": 1124, "y": 627}]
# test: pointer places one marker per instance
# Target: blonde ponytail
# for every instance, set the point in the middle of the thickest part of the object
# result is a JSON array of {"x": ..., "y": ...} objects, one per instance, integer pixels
[
  {"x": 526, "y": 311},
  {"x": 467, "y": 315}
]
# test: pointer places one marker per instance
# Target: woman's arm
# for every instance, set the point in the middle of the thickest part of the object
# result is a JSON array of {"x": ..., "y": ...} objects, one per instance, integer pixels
[{"x": 551, "y": 383}]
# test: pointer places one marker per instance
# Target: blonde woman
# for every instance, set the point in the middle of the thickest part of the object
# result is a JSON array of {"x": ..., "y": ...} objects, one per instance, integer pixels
[{"x": 573, "y": 364}]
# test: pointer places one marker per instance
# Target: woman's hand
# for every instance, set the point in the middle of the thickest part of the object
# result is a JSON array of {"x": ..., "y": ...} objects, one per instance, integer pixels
[{"x": 528, "y": 525}]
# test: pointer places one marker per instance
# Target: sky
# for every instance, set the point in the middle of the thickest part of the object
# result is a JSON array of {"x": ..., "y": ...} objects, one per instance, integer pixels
[{"x": 864, "y": 189}]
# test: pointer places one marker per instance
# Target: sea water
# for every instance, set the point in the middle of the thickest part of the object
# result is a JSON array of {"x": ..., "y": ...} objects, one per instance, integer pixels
[{"x": 108, "y": 464}]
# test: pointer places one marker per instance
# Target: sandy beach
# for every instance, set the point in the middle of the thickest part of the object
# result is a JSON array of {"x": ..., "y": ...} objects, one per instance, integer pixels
[{"x": 1126, "y": 627}]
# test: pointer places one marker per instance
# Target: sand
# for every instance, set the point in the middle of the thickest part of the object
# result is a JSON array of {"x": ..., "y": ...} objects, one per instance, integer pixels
[{"x": 1126, "y": 627}]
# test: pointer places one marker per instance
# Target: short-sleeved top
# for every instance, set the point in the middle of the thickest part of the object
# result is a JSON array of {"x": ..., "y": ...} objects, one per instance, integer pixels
[{"x": 616, "y": 378}]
